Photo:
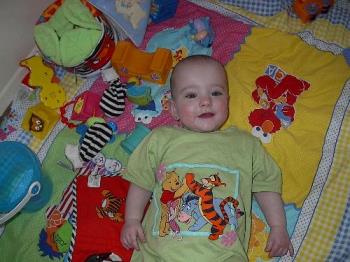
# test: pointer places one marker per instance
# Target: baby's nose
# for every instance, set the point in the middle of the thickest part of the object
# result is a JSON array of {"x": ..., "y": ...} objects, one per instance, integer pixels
[{"x": 205, "y": 101}]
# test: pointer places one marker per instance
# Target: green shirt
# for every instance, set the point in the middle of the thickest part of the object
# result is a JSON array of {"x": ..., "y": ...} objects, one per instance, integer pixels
[{"x": 202, "y": 186}]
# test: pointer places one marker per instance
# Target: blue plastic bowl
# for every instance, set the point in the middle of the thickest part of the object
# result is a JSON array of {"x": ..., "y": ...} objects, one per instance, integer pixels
[{"x": 19, "y": 168}]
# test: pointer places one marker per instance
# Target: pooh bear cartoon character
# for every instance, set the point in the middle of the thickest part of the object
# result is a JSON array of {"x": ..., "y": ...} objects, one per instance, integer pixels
[{"x": 173, "y": 189}]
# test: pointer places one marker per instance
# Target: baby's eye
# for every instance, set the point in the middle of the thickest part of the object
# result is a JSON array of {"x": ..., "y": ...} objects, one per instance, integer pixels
[
  {"x": 190, "y": 95},
  {"x": 216, "y": 93}
]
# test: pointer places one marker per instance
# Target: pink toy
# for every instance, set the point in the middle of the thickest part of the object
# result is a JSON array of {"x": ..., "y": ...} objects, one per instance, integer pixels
[{"x": 85, "y": 106}]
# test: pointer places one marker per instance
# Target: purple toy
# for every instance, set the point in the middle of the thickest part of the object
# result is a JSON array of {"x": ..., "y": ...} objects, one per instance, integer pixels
[{"x": 201, "y": 31}]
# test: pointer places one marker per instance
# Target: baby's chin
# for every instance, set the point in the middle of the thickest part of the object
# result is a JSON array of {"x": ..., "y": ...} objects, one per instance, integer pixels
[
  {"x": 203, "y": 125},
  {"x": 202, "y": 129}
]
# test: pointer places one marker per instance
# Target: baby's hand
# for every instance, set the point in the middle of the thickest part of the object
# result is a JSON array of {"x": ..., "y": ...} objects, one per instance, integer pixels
[
  {"x": 131, "y": 232},
  {"x": 278, "y": 243}
]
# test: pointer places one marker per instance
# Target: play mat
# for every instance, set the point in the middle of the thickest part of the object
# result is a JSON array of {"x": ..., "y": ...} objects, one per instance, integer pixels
[{"x": 289, "y": 86}]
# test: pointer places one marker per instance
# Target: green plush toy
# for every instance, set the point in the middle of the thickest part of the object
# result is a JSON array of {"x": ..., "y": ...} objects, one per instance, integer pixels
[{"x": 70, "y": 36}]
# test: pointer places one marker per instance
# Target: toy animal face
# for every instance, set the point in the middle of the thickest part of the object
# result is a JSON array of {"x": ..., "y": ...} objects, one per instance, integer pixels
[
  {"x": 144, "y": 116},
  {"x": 36, "y": 124}
]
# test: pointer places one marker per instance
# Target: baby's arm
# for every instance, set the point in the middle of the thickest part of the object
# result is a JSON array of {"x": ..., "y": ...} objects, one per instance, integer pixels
[
  {"x": 132, "y": 231},
  {"x": 278, "y": 243}
]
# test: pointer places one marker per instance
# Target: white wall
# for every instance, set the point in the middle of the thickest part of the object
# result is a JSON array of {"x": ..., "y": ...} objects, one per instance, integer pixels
[{"x": 17, "y": 20}]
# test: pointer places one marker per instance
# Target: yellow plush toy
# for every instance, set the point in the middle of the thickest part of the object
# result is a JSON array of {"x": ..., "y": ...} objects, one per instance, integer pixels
[{"x": 52, "y": 94}]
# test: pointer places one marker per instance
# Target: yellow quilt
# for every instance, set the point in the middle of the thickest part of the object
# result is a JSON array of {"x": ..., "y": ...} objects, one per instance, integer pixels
[
  {"x": 298, "y": 147},
  {"x": 284, "y": 92}
]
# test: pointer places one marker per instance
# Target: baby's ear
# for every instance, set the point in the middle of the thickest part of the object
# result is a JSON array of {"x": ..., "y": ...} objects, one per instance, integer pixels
[{"x": 172, "y": 108}]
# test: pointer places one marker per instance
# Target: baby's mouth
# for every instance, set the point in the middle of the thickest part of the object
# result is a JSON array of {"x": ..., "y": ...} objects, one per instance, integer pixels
[{"x": 206, "y": 115}]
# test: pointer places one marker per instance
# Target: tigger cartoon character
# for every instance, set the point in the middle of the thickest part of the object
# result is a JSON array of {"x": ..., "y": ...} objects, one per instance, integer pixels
[
  {"x": 173, "y": 189},
  {"x": 204, "y": 192},
  {"x": 110, "y": 207}
]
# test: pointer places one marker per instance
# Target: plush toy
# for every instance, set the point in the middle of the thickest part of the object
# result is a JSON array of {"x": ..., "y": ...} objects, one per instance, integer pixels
[
  {"x": 52, "y": 95},
  {"x": 72, "y": 153},
  {"x": 113, "y": 99},
  {"x": 202, "y": 32},
  {"x": 112, "y": 102},
  {"x": 94, "y": 140},
  {"x": 95, "y": 135},
  {"x": 86, "y": 105}
]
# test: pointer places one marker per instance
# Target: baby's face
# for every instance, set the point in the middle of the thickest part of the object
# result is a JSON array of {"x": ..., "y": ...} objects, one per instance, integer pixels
[{"x": 200, "y": 97}]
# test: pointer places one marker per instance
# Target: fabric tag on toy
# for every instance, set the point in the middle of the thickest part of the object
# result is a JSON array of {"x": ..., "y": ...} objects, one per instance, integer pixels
[{"x": 94, "y": 180}]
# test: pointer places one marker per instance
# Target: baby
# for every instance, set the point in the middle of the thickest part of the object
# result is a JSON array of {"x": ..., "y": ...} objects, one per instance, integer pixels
[{"x": 201, "y": 179}]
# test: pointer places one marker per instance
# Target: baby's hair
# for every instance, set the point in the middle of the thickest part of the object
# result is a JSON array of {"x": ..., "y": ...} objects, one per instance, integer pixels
[{"x": 191, "y": 60}]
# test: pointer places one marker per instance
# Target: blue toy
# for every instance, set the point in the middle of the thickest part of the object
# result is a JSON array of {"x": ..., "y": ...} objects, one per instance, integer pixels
[
  {"x": 22, "y": 186},
  {"x": 201, "y": 31},
  {"x": 94, "y": 136},
  {"x": 81, "y": 129},
  {"x": 134, "y": 138},
  {"x": 162, "y": 10},
  {"x": 139, "y": 95},
  {"x": 154, "y": 108}
]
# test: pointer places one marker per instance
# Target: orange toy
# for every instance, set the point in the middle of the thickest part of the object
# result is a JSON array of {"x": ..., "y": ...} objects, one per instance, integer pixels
[
  {"x": 129, "y": 61},
  {"x": 307, "y": 10}
]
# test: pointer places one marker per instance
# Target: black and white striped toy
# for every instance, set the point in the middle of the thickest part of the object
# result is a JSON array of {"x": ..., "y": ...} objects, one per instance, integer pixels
[
  {"x": 95, "y": 138},
  {"x": 113, "y": 99}
]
